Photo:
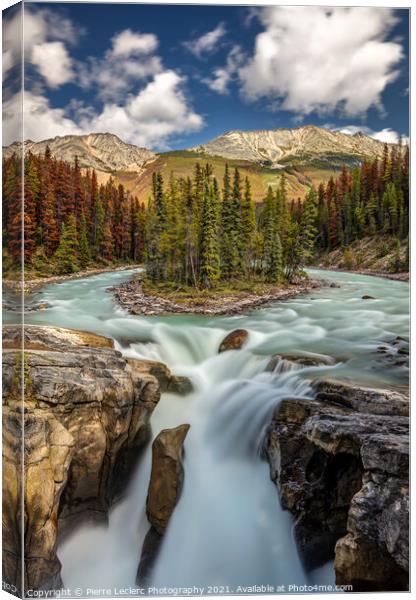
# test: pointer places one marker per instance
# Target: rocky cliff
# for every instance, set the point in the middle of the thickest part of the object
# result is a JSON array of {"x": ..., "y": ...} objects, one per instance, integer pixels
[
  {"x": 341, "y": 463},
  {"x": 85, "y": 415}
]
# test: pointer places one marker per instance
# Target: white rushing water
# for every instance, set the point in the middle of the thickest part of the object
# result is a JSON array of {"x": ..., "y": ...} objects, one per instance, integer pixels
[{"x": 228, "y": 528}]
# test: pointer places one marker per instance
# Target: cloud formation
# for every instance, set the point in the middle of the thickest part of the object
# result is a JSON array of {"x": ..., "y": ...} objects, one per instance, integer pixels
[
  {"x": 128, "y": 43},
  {"x": 387, "y": 134},
  {"x": 322, "y": 59},
  {"x": 53, "y": 63},
  {"x": 142, "y": 101},
  {"x": 207, "y": 43},
  {"x": 149, "y": 118},
  {"x": 40, "y": 26},
  {"x": 221, "y": 77}
]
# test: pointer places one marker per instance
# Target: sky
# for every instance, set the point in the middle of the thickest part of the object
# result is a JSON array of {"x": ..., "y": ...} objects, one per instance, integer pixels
[{"x": 171, "y": 77}]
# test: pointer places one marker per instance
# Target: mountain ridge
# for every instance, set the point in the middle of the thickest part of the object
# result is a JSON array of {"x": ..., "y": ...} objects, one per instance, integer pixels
[
  {"x": 105, "y": 152},
  {"x": 277, "y": 147},
  {"x": 307, "y": 154}
]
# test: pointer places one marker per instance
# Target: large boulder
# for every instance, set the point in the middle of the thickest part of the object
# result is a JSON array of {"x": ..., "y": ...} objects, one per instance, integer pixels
[
  {"x": 234, "y": 340},
  {"x": 85, "y": 416},
  {"x": 166, "y": 477},
  {"x": 341, "y": 464},
  {"x": 165, "y": 487}
]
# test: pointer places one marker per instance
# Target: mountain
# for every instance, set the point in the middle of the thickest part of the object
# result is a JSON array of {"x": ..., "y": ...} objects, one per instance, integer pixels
[
  {"x": 103, "y": 152},
  {"x": 307, "y": 155},
  {"x": 279, "y": 148}
]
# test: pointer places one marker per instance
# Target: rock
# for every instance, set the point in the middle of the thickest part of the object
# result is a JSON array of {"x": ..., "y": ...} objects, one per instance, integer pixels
[
  {"x": 85, "y": 417},
  {"x": 165, "y": 487},
  {"x": 366, "y": 297},
  {"x": 151, "y": 547},
  {"x": 341, "y": 463},
  {"x": 234, "y": 340},
  {"x": 166, "y": 477},
  {"x": 395, "y": 352},
  {"x": 168, "y": 382},
  {"x": 300, "y": 359},
  {"x": 362, "y": 399}
]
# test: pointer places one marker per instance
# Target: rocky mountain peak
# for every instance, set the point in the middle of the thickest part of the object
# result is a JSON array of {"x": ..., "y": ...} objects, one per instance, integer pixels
[
  {"x": 101, "y": 151},
  {"x": 282, "y": 147}
]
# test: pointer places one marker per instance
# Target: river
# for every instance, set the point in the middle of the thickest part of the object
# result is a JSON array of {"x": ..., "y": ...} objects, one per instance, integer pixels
[{"x": 228, "y": 528}]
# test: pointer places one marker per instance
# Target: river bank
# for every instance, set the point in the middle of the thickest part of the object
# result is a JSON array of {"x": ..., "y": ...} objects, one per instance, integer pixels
[
  {"x": 133, "y": 298},
  {"x": 32, "y": 285}
]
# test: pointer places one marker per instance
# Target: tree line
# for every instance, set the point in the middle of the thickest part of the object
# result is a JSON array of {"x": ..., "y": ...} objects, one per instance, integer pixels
[
  {"x": 364, "y": 201},
  {"x": 196, "y": 230},
  {"x": 70, "y": 221}
]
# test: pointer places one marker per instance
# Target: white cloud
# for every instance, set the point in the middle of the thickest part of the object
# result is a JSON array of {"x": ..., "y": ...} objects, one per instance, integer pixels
[
  {"x": 148, "y": 118},
  {"x": 45, "y": 34},
  {"x": 222, "y": 76},
  {"x": 142, "y": 101},
  {"x": 128, "y": 62},
  {"x": 151, "y": 117},
  {"x": 322, "y": 58},
  {"x": 207, "y": 43},
  {"x": 41, "y": 121},
  {"x": 53, "y": 63},
  {"x": 129, "y": 42},
  {"x": 387, "y": 135}
]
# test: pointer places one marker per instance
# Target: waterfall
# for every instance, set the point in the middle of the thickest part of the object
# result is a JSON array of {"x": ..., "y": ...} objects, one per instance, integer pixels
[{"x": 228, "y": 528}]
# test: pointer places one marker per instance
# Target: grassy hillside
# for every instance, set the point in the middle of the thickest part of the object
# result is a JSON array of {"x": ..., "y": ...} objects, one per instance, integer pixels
[{"x": 181, "y": 164}]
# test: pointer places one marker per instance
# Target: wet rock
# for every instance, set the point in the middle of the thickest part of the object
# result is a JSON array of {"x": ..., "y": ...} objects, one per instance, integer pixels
[
  {"x": 300, "y": 359},
  {"x": 234, "y": 340},
  {"x": 395, "y": 352},
  {"x": 166, "y": 477},
  {"x": 86, "y": 415},
  {"x": 165, "y": 487},
  {"x": 362, "y": 399},
  {"x": 366, "y": 297},
  {"x": 342, "y": 470},
  {"x": 168, "y": 382}
]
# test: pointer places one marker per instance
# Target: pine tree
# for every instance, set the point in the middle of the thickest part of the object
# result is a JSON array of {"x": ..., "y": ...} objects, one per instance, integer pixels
[
  {"x": 12, "y": 198},
  {"x": 273, "y": 267},
  {"x": 66, "y": 256},
  {"x": 31, "y": 191},
  {"x": 84, "y": 248},
  {"x": 107, "y": 242},
  {"x": 229, "y": 246},
  {"x": 308, "y": 230},
  {"x": 210, "y": 257},
  {"x": 248, "y": 226}
]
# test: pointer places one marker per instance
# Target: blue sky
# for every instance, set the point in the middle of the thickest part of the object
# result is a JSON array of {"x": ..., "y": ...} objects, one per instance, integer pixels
[{"x": 170, "y": 77}]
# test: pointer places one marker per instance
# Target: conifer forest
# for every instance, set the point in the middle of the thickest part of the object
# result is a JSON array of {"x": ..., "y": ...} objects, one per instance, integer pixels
[{"x": 196, "y": 230}]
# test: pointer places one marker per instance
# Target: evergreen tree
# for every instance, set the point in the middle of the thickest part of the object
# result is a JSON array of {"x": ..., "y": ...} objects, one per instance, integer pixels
[
  {"x": 84, "y": 248},
  {"x": 273, "y": 267},
  {"x": 210, "y": 257},
  {"x": 229, "y": 246},
  {"x": 308, "y": 230},
  {"x": 248, "y": 226},
  {"x": 66, "y": 256}
]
